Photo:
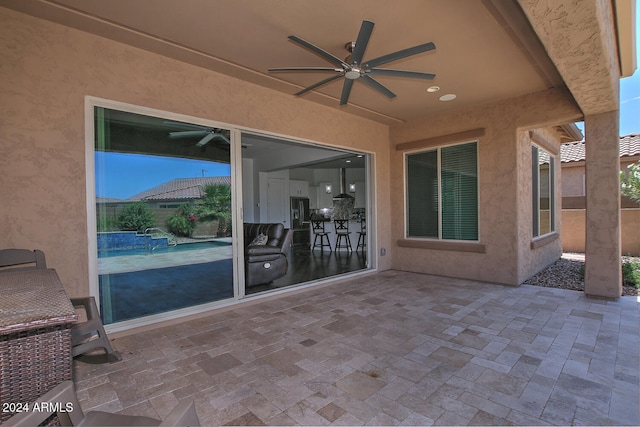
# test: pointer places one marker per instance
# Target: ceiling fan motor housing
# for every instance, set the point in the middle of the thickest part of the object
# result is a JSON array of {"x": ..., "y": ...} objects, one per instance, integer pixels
[{"x": 353, "y": 73}]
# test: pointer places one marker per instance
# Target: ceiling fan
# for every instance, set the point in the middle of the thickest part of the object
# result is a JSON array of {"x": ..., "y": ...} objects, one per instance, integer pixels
[
  {"x": 208, "y": 134},
  {"x": 353, "y": 68}
]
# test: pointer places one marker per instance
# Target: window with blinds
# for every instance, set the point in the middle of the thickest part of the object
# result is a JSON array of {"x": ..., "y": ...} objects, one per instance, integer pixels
[{"x": 442, "y": 193}]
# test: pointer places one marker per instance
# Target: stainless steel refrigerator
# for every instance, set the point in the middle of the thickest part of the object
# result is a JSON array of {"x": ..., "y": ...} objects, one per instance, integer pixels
[{"x": 300, "y": 221}]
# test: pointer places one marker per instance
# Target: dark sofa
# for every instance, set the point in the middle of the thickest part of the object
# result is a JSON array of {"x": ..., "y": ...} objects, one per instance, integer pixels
[{"x": 266, "y": 262}]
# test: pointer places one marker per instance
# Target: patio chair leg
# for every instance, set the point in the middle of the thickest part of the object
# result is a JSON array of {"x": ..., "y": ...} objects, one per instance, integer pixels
[{"x": 90, "y": 335}]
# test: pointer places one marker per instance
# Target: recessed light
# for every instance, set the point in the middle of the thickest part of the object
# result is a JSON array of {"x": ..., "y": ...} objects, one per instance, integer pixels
[
  {"x": 433, "y": 89},
  {"x": 447, "y": 97},
  {"x": 348, "y": 161}
]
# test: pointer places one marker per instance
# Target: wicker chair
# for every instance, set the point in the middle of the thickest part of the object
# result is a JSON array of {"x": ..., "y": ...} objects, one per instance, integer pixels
[
  {"x": 86, "y": 336},
  {"x": 63, "y": 402}
]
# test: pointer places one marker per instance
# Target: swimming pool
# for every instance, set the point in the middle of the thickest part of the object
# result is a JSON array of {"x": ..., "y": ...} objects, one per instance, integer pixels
[{"x": 210, "y": 244}]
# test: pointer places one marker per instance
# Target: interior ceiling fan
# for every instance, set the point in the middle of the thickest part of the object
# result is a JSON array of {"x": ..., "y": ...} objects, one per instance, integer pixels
[
  {"x": 353, "y": 68},
  {"x": 208, "y": 134}
]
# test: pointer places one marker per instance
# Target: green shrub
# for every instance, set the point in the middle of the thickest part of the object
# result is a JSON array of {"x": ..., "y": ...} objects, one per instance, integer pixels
[
  {"x": 630, "y": 182},
  {"x": 631, "y": 273},
  {"x": 136, "y": 217},
  {"x": 107, "y": 224},
  {"x": 183, "y": 222}
]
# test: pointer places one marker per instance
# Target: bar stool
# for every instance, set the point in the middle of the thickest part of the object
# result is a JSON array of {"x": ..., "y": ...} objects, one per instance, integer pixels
[
  {"x": 319, "y": 231},
  {"x": 342, "y": 233},
  {"x": 362, "y": 239}
]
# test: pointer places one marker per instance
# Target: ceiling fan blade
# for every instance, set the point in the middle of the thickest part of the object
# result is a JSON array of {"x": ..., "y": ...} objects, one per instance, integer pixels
[
  {"x": 221, "y": 137},
  {"x": 346, "y": 91},
  {"x": 361, "y": 42},
  {"x": 318, "y": 51},
  {"x": 320, "y": 83},
  {"x": 400, "y": 73},
  {"x": 185, "y": 126},
  {"x": 400, "y": 54},
  {"x": 206, "y": 139},
  {"x": 377, "y": 86},
  {"x": 279, "y": 70},
  {"x": 188, "y": 133}
]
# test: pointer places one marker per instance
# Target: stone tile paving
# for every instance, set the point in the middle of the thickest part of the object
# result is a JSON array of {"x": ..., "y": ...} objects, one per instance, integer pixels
[{"x": 393, "y": 348}]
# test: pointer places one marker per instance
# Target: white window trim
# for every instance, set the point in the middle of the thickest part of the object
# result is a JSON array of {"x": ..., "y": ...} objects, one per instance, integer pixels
[{"x": 553, "y": 210}]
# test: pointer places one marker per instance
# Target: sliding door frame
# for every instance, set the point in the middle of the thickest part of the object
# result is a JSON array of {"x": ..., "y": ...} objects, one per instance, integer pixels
[{"x": 236, "y": 133}]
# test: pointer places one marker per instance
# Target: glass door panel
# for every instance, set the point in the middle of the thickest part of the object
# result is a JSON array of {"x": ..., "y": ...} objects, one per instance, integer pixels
[
  {"x": 163, "y": 205},
  {"x": 296, "y": 184}
]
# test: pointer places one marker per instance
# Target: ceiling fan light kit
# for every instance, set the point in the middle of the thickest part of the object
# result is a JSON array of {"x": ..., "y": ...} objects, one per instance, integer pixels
[{"x": 353, "y": 68}]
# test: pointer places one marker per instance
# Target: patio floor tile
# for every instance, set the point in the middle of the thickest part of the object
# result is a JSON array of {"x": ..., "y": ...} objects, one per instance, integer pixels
[{"x": 393, "y": 348}]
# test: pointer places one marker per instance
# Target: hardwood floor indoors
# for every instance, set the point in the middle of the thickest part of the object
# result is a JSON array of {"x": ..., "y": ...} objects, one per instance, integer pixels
[{"x": 306, "y": 265}]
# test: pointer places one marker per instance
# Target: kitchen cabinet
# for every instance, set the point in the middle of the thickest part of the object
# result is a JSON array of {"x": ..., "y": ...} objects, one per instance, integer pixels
[
  {"x": 325, "y": 200},
  {"x": 313, "y": 197},
  {"x": 360, "y": 195},
  {"x": 298, "y": 188}
]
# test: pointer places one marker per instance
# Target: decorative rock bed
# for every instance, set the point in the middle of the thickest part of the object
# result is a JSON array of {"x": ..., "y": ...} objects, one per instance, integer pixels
[{"x": 566, "y": 273}]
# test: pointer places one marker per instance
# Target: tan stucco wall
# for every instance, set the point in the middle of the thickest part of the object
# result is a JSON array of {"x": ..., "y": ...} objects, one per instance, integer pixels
[
  {"x": 573, "y": 183},
  {"x": 532, "y": 260},
  {"x": 581, "y": 41},
  {"x": 574, "y": 229},
  {"x": 47, "y": 70},
  {"x": 573, "y": 176},
  {"x": 603, "y": 275},
  {"x": 505, "y": 189}
]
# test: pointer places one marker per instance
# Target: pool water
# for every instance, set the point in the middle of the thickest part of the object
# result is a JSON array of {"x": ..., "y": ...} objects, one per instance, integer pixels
[{"x": 163, "y": 250}]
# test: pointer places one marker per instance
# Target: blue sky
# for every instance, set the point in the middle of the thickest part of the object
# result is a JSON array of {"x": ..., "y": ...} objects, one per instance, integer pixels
[
  {"x": 630, "y": 93},
  {"x": 121, "y": 176}
]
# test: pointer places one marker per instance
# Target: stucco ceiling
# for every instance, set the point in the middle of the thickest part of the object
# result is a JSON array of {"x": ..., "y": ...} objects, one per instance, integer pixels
[{"x": 485, "y": 49}]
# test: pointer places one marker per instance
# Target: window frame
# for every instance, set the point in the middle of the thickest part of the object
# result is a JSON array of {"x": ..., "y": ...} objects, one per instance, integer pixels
[
  {"x": 536, "y": 192},
  {"x": 439, "y": 238}
]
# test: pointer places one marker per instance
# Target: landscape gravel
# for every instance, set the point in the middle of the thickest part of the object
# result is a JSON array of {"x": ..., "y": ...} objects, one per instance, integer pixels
[{"x": 566, "y": 273}]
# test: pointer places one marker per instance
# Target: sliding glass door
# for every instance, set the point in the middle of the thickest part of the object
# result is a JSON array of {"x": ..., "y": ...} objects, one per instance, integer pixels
[
  {"x": 169, "y": 235},
  {"x": 163, "y": 213},
  {"x": 299, "y": 184}
]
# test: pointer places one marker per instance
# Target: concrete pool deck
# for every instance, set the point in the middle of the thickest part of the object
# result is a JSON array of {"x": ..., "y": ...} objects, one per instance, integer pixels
[{"x": 130, "y": 263}]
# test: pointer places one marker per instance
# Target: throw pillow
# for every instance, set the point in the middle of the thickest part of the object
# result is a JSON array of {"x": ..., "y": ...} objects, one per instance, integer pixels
[{"x": 260, "y": 239}]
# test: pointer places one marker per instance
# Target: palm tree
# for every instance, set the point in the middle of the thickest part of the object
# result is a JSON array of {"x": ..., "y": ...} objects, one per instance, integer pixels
[{"x": 216, "y": 205}]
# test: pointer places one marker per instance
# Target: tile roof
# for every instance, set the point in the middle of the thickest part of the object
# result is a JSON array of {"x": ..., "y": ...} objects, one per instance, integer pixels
[
  {"x": 180, "y": 189},
  {"x": 107, "y": 200},
  {"x": 574, "y": 151}
]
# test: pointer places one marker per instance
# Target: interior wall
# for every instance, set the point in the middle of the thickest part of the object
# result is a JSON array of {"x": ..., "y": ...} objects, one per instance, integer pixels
[
  {"x": 48, "y": 70},
  {"x": 504, "y": 201}
]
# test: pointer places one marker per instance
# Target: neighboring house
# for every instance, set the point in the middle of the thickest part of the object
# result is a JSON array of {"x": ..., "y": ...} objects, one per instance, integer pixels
[
  {"x": 510, "y": 74},
  {"x": 574, "y": 197},
  {"x": 172, "y": 194},
  {"x": 165, "y": 198}
]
